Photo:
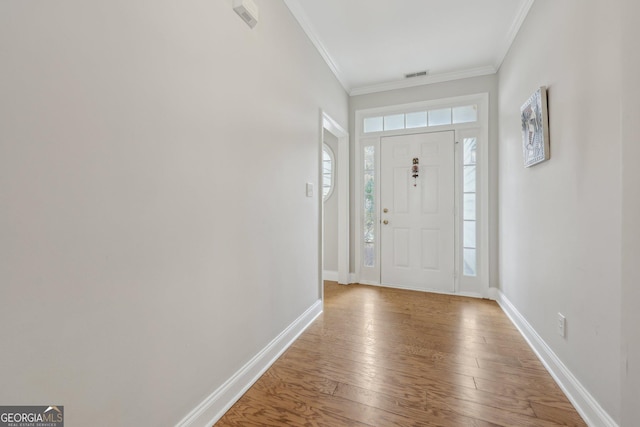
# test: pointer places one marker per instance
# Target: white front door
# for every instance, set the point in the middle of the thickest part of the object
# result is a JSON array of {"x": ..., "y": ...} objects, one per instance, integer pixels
[{"x": 417, "y": 214}]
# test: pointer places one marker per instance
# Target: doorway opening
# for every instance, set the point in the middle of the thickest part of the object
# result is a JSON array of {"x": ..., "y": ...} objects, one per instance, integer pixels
[{"x": 335, "y": 137}]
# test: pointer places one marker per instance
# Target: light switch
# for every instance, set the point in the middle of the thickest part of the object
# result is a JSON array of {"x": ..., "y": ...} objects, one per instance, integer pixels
[{"x": 309, "y": 189}]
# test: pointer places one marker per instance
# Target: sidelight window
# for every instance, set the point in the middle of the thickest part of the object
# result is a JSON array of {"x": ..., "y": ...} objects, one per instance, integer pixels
[
  {"x": 369, "y": 205},
  {"x": 469, "y": 207}
]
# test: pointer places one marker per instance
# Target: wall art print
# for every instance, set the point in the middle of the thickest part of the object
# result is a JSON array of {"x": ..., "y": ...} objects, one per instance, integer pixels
[{"x": 535, "y": 128}]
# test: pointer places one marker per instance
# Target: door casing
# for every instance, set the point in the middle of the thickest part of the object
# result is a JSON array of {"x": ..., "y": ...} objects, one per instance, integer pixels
[{"x": 479, "y": 285}]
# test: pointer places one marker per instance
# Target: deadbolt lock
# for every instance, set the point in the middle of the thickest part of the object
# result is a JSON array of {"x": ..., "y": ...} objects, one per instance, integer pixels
[{"x": 385, "y": 210}]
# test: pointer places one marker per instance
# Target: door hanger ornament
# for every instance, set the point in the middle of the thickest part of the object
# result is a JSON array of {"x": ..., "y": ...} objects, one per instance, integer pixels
[{"x": 415, "y": 170}]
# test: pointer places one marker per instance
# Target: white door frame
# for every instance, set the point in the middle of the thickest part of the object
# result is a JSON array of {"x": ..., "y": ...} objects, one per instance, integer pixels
[
  {"x": 342, "y": 189},
  {"x": 477, "y": 286}
]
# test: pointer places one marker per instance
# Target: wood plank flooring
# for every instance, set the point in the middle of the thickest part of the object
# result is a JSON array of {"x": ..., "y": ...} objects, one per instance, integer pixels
[{"x": 387, "y": 357}]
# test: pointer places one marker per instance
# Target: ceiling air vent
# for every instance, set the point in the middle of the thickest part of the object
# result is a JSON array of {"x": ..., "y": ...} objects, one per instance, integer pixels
[{"x": 418, "y": 74}]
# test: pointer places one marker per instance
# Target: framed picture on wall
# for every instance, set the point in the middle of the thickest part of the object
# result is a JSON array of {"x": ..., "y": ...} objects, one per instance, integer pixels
[{"x": 535, "y": 128}]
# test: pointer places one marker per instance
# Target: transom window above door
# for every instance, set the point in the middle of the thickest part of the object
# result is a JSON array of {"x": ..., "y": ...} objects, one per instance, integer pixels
[{"x": 422, "y": 119}]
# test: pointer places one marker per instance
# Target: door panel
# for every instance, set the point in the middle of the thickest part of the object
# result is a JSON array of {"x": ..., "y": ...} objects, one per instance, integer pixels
[
  {"x": 400, "y": 191},
  {"x": 430, "y": 190},
  {"x": 401, "y": 247},
  {"x": 430, "y": 249},
  {"x": 417, "y": 230}
]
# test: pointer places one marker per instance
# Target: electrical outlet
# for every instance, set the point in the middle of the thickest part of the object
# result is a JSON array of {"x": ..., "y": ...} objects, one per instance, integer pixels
[{"x": 562, "y": 324}]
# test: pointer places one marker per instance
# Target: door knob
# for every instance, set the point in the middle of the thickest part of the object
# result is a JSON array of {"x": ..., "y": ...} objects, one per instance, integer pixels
[{"x": 385, "y": 222}]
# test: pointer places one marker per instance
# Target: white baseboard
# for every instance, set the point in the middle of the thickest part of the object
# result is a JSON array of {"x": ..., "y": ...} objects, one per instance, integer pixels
[
  {"x": 367, "y": 282},
  {"x": 584, "y": 402},
  {"x": 464, "y": 294},
  {"x": 330, "y": 275},
  {"x": 409, "y": 288},
  {"x": 333, "y": 276},
  {"x": 215, "y": 405}
]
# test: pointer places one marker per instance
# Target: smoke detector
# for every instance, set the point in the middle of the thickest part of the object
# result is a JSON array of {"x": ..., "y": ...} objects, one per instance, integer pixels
[{"x": 247, "y": 10}]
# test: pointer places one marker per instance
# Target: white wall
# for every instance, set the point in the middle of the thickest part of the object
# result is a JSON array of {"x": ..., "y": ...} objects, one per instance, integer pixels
[
  {"x": 630, "y": 213},
  {"x": 154, "y": 229},
  {"x": 331, "y": 212},
  {"x": 560, "y": 221},
  {"x": 485, "y": 84}
]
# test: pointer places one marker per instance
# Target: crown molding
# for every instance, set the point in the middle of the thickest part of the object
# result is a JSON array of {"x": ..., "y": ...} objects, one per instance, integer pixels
[
  {"x": 419, "y": 81},
  {"x": 513, "y": 32},
  {"x": 298, "y": 13}
]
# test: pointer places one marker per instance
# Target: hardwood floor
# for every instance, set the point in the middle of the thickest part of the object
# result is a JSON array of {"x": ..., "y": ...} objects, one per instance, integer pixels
[{"x": 387, "y": 357}]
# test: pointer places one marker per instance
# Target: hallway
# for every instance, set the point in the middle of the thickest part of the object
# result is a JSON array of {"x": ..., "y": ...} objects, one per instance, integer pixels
[{"x": 381, "y": 357}]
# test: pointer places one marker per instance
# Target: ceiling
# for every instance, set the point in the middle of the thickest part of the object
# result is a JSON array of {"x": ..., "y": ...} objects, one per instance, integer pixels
[{"x": 371, "y": 45}]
